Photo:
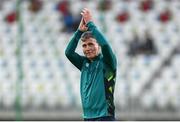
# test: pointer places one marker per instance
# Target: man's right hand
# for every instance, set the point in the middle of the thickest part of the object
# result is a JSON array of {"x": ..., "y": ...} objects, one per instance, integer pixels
[
  {"x": 82, "y": 25},
  {"x": 87, "y": 15}
]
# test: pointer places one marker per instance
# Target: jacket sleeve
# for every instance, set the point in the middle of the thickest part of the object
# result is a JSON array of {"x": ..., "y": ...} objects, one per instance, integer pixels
[
  {"x": 108, "y": 55},
  {"x": 70, "y": 53}
]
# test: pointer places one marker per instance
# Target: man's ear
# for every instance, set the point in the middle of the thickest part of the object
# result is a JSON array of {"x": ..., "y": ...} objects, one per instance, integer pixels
[{"x": 99, "y": 48}]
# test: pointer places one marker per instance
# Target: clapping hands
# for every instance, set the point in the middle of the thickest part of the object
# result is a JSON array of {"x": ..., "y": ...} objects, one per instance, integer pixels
[{"x": 86, "y": 17}]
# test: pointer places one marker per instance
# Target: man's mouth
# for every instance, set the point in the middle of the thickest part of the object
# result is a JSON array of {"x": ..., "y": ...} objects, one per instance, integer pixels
[{"x": 88, "y": 53}]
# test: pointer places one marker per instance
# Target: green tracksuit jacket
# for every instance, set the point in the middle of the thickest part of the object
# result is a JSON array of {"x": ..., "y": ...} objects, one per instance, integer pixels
[{"x": 97, "y": 77}]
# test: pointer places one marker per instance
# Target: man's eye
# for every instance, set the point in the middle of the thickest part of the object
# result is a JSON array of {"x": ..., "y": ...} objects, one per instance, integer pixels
[{"x": 90, "y": 44}]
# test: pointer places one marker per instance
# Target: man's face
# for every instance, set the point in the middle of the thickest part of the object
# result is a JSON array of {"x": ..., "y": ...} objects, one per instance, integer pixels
[{"x": 90, "y": 48}]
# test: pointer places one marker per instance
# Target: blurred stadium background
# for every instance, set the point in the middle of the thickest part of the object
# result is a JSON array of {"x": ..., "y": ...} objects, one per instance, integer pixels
[{"x": 37, "y": 82}]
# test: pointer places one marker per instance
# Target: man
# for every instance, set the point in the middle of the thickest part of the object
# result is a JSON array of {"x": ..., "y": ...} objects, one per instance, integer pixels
[{"x": 98, "y": 70}]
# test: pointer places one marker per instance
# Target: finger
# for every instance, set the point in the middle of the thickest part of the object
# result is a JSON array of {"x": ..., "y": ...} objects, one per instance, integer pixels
[
  {"x": 86, "y": 10},
  {"x": 83, "y": 14},
  {"x": 83, "y": 20}
]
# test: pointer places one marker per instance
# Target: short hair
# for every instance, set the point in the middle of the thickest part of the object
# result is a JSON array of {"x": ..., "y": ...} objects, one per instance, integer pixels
[{"x": 86, "y": 35}]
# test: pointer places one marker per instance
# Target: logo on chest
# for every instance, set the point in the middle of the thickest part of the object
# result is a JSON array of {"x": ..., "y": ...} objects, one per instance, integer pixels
[{"x": 87, "y": 64}]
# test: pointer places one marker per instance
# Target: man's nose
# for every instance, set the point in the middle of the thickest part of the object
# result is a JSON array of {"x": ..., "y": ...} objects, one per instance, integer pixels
[{"x": 88, "y": 48}]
